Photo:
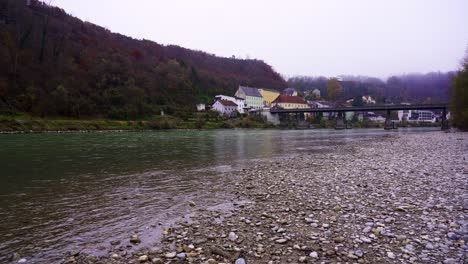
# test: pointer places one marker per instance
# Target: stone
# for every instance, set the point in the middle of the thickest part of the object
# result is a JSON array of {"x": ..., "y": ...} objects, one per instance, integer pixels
[
  {"x": 359, "y": 253},
  {"x": 157, "y": 261},
  {"x": 240, "y": 261},
  {"x": 114, "y": 256},
  {"x": 115, "y": 242},
  {"x": 232, "y": 236},
  {"x": 391, "y": 255},
  {"x": 313, "y": 255},
  {"x": 135, "y": 239},
  {"x": 281, "y": 241},
  {"x": 170, "y": 255},
  {"x": 339, "y": 239},
  {"x": 211, "y": 261},
  {"x": 143, "y": 258},
  {"x": 302, "y": 259},
  {"x": 23, "y": 260},
  {"x": 452, "y": 236},
  {"x": 181, "y": 256},
  {"x": 429, "y": 246}
]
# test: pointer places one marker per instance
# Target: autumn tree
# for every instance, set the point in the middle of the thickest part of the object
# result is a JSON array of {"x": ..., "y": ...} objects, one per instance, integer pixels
[
  {"x": 459, "y": 102},
  {"x": 333, "y": 89}
]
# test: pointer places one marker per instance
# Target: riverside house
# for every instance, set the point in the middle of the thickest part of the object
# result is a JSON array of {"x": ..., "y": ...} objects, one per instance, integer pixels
[
  {"x": 224, "y": 107},
  {"x": 253, "y": 98},
  {"x": 238, "y": 101},
  {"x": 269, "y": 95},
  {"x": 290, "y": 102}
]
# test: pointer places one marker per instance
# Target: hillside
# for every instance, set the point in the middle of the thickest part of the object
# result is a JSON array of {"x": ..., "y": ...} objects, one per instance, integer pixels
[
  {"x": 53, "y": 64},
  {"x": 432, "y": 87}
]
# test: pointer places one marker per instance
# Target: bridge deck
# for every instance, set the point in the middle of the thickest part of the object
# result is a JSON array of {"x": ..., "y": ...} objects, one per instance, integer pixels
[{"x": 363, "y": 108}]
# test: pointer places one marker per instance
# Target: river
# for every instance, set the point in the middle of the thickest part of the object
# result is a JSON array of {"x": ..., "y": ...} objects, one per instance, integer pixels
[{"x": 63, "y": 192}]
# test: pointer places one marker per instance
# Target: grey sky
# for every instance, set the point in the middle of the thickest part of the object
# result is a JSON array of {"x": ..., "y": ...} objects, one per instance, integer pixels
[{"x": 299, "y": 37}]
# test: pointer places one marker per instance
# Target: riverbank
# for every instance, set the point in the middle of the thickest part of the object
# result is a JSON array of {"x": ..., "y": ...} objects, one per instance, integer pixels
[
  {"x": 30, "y": 124},
  {"x": 398, "y": 200}
]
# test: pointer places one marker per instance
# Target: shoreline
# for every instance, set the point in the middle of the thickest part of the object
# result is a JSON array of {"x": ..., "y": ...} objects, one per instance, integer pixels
[{"x": 375, "y": 203}]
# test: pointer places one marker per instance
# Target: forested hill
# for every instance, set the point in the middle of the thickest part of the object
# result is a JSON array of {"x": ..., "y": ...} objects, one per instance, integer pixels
[
  {"x": 431, "y": 87},
  {"x": 53, "y": 64}
]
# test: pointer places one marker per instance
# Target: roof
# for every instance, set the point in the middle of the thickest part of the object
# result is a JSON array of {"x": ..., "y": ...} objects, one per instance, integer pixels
[
  {"x": 269, "y": 90},
  {"x": 227, "y": 103},
  {"x": 289, "y": 99},
  {"x": 249, "y": 91}
]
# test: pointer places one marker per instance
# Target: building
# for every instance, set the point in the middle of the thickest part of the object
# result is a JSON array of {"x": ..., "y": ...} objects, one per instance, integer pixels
[
  {"x": 367, "y": 99},
  {"x": 416, "y": 116},
  {"x": 269, "y": 95},
  {"x": 316, "y": 93},
  {"x": 290, "y": 102},
  {"x": 375, "y": 117},
  {"x": 201, "y": 107},
  {"x": 224, "y": 107},
  {"x": 238, "y": 101},
  {"x": 290, "y": 92},
  {"x": 253, "y": 98}
]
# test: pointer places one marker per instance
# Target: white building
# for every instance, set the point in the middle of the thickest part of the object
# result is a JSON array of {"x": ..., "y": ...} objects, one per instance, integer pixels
[
  {"x": 375, "y": 117},
  {"x": 240, "y": 102},
  {"x": 417, "y": 116},
  {"x": 224, "y": 107},
  {"x": 367, "y": 99}
]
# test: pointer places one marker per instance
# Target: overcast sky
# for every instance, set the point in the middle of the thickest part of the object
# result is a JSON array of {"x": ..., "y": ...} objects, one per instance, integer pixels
[{"x": 299, "y": 37}]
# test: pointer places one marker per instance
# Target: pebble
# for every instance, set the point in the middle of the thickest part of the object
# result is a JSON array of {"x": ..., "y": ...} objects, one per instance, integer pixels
[
  {"x": 135, "y": 239},
  {"x": 391, "y": 255},
  {"x": 143, "y": 258},
  {"x": 170, "y": 255},
  {"x": 240, "y": 261},
  {"x": 313, "y": 255}
]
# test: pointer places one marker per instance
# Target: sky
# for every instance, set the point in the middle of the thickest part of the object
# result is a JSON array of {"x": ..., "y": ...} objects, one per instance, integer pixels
[{"x": 299, "y": 37}]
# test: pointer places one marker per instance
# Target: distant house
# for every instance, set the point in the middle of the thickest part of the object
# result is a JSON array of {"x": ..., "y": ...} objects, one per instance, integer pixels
[
  {"x": 290, "y": 92},
  {"x": 367, "y": 99},
  {"x": 253, "y": 98},
  {"x": 316, "y": 93},
  {"x": 201, "y": 107},
  {"x": 238, "y": 101},
  {"x": 269, "y": 95},
  {"x": 323, "y": 104},
  {"x": 290, "y": 102},
  {"x": 417, "y": 116},
  {"x": 374, "y": 117},
  {"x": 224, "y": 107}
]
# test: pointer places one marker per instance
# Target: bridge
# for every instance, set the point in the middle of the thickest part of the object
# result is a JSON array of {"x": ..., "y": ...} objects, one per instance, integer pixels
[{"x": 340, "y": 121}]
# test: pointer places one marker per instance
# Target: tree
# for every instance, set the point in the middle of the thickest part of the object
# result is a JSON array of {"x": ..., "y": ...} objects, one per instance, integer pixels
[
  {"x": 459, "y": 101},
  {"x": 333, "y": 88}
]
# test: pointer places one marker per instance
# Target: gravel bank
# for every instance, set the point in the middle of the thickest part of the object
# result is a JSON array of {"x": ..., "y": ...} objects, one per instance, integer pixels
[{"x": 403, "y": 199}]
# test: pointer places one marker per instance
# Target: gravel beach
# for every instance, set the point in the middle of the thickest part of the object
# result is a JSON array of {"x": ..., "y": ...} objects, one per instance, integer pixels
[{"x": 400, "y": 199}]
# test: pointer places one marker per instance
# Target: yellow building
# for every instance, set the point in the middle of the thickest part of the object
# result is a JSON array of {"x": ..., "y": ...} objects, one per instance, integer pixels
[
  {"x": 289, "y": 102},
  {"x": 269, "y": 95}
]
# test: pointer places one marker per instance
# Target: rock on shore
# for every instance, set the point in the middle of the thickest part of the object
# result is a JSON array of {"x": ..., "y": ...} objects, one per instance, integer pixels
[{"x": 402, "y": 199}]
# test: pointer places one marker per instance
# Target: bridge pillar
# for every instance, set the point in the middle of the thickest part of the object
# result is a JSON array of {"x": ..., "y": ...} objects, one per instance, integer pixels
[
  {"x": 388, "y": 121},
  {"x": 340, "y": 121},
  {"x": 444, "y": 121}
]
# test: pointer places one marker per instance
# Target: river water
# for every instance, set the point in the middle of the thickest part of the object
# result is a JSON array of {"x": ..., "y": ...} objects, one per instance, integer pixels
[{"x": 63, "y": 192}]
